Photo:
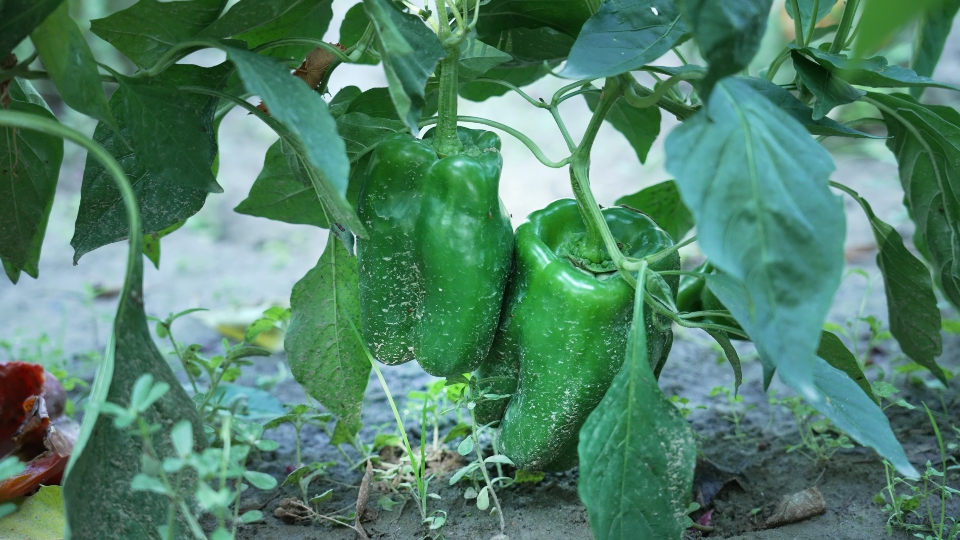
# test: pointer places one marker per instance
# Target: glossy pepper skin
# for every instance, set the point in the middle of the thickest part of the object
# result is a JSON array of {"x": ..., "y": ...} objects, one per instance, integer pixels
[
  {"x": 564, "y": 332},
  {"x": 433, "y": 271}
]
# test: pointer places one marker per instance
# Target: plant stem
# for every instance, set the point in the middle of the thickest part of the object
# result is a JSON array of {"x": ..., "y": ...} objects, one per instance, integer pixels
[
  {"x": 447, "y": 141},
  {"x": 846, "y": 23},
  {"x": 598, "y": 237},
  {"x": 483, "y": 469},
  {"x": 532, "y": 146},
  {"x": 798, "y": 23},
  {"x": 813, "y": 23}
]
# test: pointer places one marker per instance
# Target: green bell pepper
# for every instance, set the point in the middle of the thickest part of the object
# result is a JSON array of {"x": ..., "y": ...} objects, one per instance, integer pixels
[
  {"x": 563, "y": 332},
  {"x": 433, "y": 271}
]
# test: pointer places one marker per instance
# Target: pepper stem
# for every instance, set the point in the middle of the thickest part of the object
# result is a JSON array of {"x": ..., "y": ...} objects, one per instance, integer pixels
[
  {"x": 447, "y": 141},
  {"x": 599, "y": 244}
]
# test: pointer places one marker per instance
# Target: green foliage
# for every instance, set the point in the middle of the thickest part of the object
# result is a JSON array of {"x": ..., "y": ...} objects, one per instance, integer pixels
[
  {"x": 819, "y": 439},
  {"x": 933, "y": 28},
  {"x": 640, "y": 126},
  {"x": 71, "y": 65},
  {"x": 29, "y": 168},
  {"x": 20, "y": 17},
  {"x": 636, "y": 444},
  {"x": 320, "y": 339},
  {"x": 795, "y": 251},
  {"x": 622, "y": 36},
  {"x": 662, "y": 203}
]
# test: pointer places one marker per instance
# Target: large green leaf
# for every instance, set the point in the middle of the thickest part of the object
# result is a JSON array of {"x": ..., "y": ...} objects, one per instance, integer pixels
[
  {"x": 806, "y": 10},
  {"x": 728, "y": 33},
  {"x": 29, "y": 168},
  {"x": 566, "y": 16},
  {"x": 148, "y": 29},
  {"x": 800, "y": 112},
  {"x": 169, "y": 143},
  {"x": 247, "y": 15},
  {"x": 101, "y": 219},
  {"x": 306, "y": 115},
  {"x": 637, "y": 453},
  {"x": 881, "y": 19},
  {"x": 836, "y": 392},
  {"x": 374, "y": 102},
  {"x": 522, "y": 76},
  {"x": 662, "y": 203},
  {"x": 641, "y": 127},
  {"x": 757, "y": 185},
  {"x": 71, "y": 64},
  {"x": 873, "y": 72},
  {"x": 19, "y": 17},
  {"x": 306, "y": 19},
  {"x": 624, "y": 35},
  {"x": 410, "y": 52},
  {"x": 278, "y": 194},
  {"x": 926, "y": 142},
  {"x": 839, "y": 356},
  {"x": 831, "y": 91},
  {"x": 911, "y": 303},
  {"x": 932, "y": 31},
  {"x": 322, "y": 348},
  {"x": 477, "y": 58},
  {"x": 531, "y": 46}
]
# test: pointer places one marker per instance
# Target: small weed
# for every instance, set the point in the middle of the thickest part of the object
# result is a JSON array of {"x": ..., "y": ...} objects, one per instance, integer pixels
[
  {"x": 920, "y": 506},
  {"x": 737, "y": 410},
  {"x": 819, "y": 439},
  {"x": 683, "y": 405}
]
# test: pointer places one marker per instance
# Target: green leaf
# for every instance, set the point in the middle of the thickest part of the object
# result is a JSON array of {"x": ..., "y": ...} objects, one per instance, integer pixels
[
  {"x": 926, "y": 141},
  {"x": 637, "y": 453},
  {"x": 800, "y": 112},
  {"x": 352, "y": 28},
  {"x": 307, "y": 117},
  {"x": 71, "y": 64},
  {"x": 911, "y": 303},
  {"x": 567, "y": 16},
  {"x": 873, "y": 72},
  {"x": 151, "y": 243},
  {"x": 374, "y": 102},
  {"x": 149, "y": 28},
  {"x": 39, "y": 517},
  {"x": 322, "y": 349},
  {"x": 624, "y": 35},
  {"x": 732, "y": 356},
  {"x": 260, "y": 480},
  {"x": 341, "y": 102},
  {"x": 728, "y": 33},
  {"x": 881, "y": 19},
  {"x": 932, "y": 31},
  {"x": 830, "y": 90},
  {"x": 363, "y": 133},
  {"x": 29, "y": 168},
  {"x": 477, "y": 58},
  {"x": 168, "y": 143},
  {"x": 757, "y": 185},
  {"x": 840, "y": 400},
  {"x": 122, "y": 512},
  {"x": 641, "y": 127},
  {"x": 662, "y": 203},
  {"x": 806, "y": 10},
  {"x": 520, "y": 77},
  {"x": 835, "y": 353},
  {"x": 19, "y": 17},
  {"x": 833, "y": 392},
  {"x": 101, "y": 219},
  {"x": 305, "y": 19},
  {"x": 410, "y": 52},
  {"x": 247, "y": 15},
  {"x": 278, "y": 194}
]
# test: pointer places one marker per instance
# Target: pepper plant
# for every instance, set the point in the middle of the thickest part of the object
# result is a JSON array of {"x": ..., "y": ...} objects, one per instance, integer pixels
[{"x": 570, "y": 336}]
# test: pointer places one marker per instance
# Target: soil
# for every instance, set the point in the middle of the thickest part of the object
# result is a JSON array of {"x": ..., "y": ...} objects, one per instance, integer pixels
[{"x": 236, "y": 264}]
